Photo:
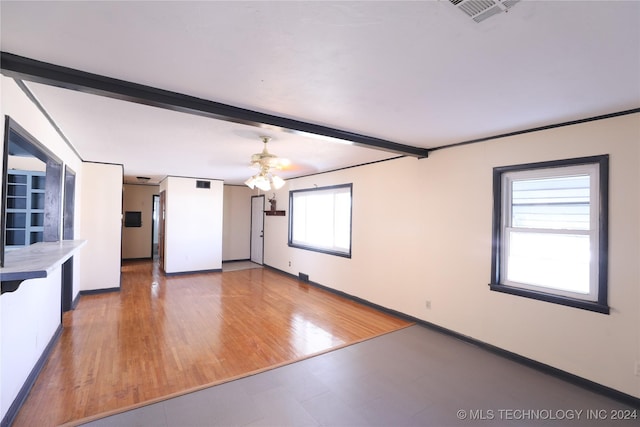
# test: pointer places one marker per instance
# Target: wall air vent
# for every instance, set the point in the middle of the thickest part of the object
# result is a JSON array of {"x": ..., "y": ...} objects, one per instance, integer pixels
[{"x": 479, "y": 10}]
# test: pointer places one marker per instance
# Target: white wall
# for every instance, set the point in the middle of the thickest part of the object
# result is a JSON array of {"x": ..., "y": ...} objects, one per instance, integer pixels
[
  {"x": 236, "y": 224},
  {"x": 193, "y": 225},
  {"x": 26, "y": 164},
  {"x": 101, "y": 211},
  {"x": 22, "y": 337},
  {"x": 30, "y": 318},
  {"x": 136, "y": 241},
  {"x": 422, "y": 231}
]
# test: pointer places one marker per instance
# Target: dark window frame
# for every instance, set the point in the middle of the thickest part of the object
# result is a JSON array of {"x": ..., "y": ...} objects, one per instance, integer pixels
[
  {"x": 496, "y": 284},
  {"x": 314, "y": 248}
]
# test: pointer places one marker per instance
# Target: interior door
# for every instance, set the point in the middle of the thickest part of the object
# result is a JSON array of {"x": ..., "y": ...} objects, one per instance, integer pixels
[{"x": 257, "y": 229}]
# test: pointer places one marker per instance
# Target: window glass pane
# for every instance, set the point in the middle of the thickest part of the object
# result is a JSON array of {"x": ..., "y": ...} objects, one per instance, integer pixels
[
  {"x": 558, "y": 261},
  {"x": 319, "y": 229},
  {"x": 299, "y": 223},
  {"x": 342, "y": 232},
  {"x": 551, "y": 203},
  {"x": 321, "y": 219}
]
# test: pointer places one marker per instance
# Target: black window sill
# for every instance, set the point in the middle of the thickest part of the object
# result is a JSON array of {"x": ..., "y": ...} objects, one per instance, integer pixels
[
  {"x": 555, "y": 299},
  {"x": 322, "y": 251}
]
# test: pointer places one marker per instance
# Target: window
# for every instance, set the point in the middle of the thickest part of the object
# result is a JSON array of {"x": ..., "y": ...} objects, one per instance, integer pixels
[
  {"x": 550, "y": 231},
  {"x": 320, "y": 219}
]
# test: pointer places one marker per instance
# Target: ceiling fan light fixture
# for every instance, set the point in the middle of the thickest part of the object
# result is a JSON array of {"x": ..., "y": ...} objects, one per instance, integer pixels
[
  {"x": 263, "y": 183},
  {"x": 277, "y": 182},
  {"x": 265, "y": 161},
  {"x": 251, "y": 182}
]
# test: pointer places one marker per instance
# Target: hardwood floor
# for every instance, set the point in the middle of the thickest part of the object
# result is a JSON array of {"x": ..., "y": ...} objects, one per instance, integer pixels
[{"x": 161, "y": 337}]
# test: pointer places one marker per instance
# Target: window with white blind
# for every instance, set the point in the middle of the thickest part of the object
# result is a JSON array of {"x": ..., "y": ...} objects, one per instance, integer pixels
[
  {"x": 320, "y": 219},
  {"x": 550, "y": 232}
]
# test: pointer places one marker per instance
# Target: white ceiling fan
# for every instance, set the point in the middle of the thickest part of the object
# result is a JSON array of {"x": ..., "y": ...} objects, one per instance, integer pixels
[{"x": 265, "y": 162}]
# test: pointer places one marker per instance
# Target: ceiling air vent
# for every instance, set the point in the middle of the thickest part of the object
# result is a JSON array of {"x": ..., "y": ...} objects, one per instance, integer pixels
[{"x": 479, "y": 10}]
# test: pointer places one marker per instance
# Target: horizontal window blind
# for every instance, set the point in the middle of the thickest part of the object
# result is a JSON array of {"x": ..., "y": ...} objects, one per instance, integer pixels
[{"x": 554, "y": 203}]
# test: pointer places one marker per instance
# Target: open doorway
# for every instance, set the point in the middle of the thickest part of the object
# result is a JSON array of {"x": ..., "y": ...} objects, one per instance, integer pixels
[
  {"x": 155, "y": 232},
  {"x": 161, "y": 228},
  {"x": 68, "y": 221},
  {"x": 257, "y": 229}
]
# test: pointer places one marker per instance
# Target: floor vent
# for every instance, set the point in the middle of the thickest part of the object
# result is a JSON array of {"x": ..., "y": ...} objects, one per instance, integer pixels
[{"x": 479, "y": 10}]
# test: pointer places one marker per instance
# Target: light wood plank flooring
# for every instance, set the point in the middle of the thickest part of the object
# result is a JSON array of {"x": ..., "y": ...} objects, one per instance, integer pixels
[{"x": 160, "y": 337}]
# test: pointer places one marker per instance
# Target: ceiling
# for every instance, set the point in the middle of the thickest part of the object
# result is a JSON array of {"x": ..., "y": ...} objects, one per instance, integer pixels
[{"x": 418, "y": 73}]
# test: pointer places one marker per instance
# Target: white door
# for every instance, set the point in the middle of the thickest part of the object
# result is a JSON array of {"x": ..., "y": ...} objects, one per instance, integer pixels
[{"x": 257, "y": 229}]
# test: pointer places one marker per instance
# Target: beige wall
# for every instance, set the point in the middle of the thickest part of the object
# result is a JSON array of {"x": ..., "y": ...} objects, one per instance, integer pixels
[
  {"x": 136, "y": 241},
  {"x": 101, "y": 210},
  {"x": 26, "y": 164},
  {"x": 422, "y": 231},
  {"x": 236, "y": 224}
]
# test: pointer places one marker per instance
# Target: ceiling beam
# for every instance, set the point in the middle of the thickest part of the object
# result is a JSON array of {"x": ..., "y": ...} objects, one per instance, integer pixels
[{"x": 19, "y": 67}]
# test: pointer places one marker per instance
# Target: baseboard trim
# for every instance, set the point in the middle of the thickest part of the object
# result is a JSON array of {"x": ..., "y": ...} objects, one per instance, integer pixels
[
  {"x": 617, "y": 395},
  {"x": 99, "y": 291},
  {"x": 181, "y": 273},
  {"x": 13, "y": 410},
  {"x": 235, "y": 260}
]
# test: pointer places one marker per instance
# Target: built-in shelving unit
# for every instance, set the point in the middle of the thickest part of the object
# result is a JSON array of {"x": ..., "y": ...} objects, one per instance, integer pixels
[{"x": 25, "y": 208}]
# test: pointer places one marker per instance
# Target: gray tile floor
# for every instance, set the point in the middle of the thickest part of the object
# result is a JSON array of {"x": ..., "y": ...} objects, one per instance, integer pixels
[
  {"x": 239, "y": 265},
  {"x": 412, "y": 377}
]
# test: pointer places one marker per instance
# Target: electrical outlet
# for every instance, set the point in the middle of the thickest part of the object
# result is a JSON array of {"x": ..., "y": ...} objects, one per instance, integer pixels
[
  {"x": 289, "y": 263},
  {"x": 638, "y": 368},
  {"x": 427, "y": 304}
]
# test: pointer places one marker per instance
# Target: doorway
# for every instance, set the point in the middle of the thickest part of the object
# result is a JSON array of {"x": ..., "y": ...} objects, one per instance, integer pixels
[
  {"x": 257, "y": 229},
  {"x": 68, "y": 234},
  {"x": 161, "y": 227},
  {"x": 155, "y": 226}
]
